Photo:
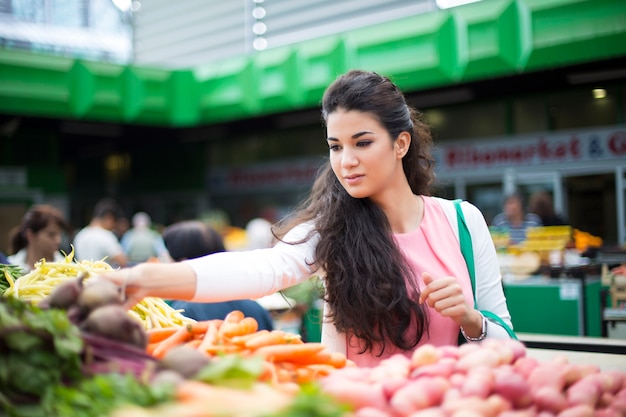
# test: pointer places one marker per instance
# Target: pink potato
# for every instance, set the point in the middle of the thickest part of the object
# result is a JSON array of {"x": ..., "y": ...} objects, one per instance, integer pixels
[
  {"x": 547, "y": 374},
  {"x": 429, "y": 412},
  {"x": 356, "y": 394},
  {"x": 457, "y": 379},
  {"x": 549, "y": 398},
  {"x": 424, "y": 355},
  {"x": 582, "y": 410},
  {"x": 391, "y": 385},
  {"x": 525, "y": 412},
  {"x": 475, "y": 405},
  {"x": 449, "y": 351},
  {"x": 619, "y": 401},
  {"x": 478, "y": 383},
  {"x": 444, "y": 367},
  {"x": 611, "y": 381},
  {"x": 480, "y": 357},
  {"x": 372, "y": 412},
  {"x": 525, "y": 365},
  {"x": 586, "y": 391},
  {"x": 513, "y": 387},
  {"x": 419, "y": 394},
  {"x": 396, "y": 366},
  {"x": 607, "y": 412},
  {"x": 505, "y": 351}
]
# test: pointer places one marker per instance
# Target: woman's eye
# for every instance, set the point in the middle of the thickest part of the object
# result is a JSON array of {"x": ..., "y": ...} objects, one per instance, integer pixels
[
  {"x": 333, "y": 148},
  {"x": 363, "y": 143}
]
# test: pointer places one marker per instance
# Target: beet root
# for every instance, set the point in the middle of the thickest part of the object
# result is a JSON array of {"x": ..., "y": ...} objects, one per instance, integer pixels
[
  {"x": 98, "y": 294},
  {"x": 114, "y": 322},
  {"x": 184, "y": 360},
  {"x": 65, "y": 295}
]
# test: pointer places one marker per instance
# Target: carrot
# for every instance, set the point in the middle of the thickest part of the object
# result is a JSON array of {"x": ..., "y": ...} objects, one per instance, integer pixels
[
  {"x": 245, "y": 326},
  {"x": 158, "y": 334},
  {"x": 275, "y": 337},
  {"x": 178, "y": 338},
  {"x": 288, "y": 352},
  {"x": 338, "y": 360},
  {"x": 321, "y": 357},
  {"x": 151, "y": 346},
  {"x": 321, "y": 369},
  {"x": 241, "y": 340},
  {"x": 210, "y": 336},
  {"x": 194, "y": 343},
  {"x": 234, "y": 316}
]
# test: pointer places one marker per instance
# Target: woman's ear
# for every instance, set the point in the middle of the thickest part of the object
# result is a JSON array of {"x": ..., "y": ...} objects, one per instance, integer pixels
[{"x": 401, "y": 145}]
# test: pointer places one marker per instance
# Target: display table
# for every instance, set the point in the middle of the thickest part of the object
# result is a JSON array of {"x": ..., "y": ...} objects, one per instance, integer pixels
[
  {"x": 567, "y": 306},
  {"x": 606, "y": 353}
]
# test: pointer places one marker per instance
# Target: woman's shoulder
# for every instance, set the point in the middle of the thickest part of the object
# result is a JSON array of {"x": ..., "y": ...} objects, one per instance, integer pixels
[{"x": 448, "y": 206}]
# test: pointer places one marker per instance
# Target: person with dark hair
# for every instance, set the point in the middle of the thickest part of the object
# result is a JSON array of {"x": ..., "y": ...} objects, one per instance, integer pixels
[
  {"x": 38, "y": 237},
  {"x": 387, "y": 250},
  {"x": 514, "y": 219},
  {"x": 193, "y": 239},
  {"x": 540, "y": 203},
  {"x": 96, "y": 241}
]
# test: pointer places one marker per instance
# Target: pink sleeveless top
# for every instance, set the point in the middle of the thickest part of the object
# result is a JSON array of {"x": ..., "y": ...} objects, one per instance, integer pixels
[{"x": 434, "y": 248}]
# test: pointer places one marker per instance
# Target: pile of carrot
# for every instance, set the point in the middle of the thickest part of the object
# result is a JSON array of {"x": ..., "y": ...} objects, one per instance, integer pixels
[{"x": 287, "y": 359}]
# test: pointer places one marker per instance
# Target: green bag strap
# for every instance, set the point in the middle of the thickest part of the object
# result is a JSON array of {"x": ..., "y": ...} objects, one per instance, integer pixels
[{"x": 467, "y": 250}]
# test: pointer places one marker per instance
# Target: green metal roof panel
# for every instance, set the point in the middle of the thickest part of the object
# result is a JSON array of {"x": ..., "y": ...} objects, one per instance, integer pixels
[{"x": 481, "y": 40}]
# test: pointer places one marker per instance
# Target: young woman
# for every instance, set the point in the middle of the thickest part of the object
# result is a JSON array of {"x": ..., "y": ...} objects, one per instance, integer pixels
[
  {"x": 38, "y": 237},
  {"x": 393, "y": 272}
]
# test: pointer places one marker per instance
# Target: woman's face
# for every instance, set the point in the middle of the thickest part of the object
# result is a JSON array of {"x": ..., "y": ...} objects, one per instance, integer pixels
[
  {"x": 362, "y": 154},
  {"x": 47, "y": 241}
]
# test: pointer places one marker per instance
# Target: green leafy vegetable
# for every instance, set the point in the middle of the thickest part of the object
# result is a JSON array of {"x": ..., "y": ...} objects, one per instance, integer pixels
[{"x": 233, "y": 371}]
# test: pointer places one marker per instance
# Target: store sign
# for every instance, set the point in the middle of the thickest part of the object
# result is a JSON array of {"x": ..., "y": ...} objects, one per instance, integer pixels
[
  {"x": 13, "y": 178},
  {"x": 275, "y": 176},
  {"x": 547, "y": 148}
]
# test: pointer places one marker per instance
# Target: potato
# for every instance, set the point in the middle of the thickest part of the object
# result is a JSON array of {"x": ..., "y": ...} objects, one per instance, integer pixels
[
  {"x": 419, "y": 394},
  {"x": 479, "y": 383},
  {"x": 525, "y": 365},
  {"x": 425, "y": 355},
  {"x": 549, "y": 398},
  {"x": 586, "y": 391},
  {"x": 513, "y": 387},
  {"x": 547, "y": 374},
  {"x": 444, "y": 367},
  {"x": 582, "y": 410},
  {"x": 480, "y": 357},
  {"x": 358, "y": 394}
]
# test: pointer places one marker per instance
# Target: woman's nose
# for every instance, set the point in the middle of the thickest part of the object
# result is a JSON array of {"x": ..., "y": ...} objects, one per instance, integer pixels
[{"x": 348, "y": 159}]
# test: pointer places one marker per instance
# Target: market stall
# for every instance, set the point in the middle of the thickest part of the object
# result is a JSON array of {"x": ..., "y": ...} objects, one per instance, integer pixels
[{"x": 69, "y": 349}]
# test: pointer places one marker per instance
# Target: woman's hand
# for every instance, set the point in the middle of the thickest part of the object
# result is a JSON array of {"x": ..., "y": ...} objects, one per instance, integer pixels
[
  {"x": 175, "y": 281},
  {"x": 445, "y": 295},
  {"x": 131, "y": 293}
]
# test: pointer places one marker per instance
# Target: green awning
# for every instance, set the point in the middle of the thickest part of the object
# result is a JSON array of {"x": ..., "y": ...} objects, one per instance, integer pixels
[{"x": 482, "y": 40}]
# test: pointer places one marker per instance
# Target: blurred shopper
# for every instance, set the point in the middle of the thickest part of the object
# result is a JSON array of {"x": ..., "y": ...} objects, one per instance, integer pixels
[
  {"x": 259, "y": 233},
  {"x": 38, "y": 237},
  {"x": 193, "y": 239},
  {"x": 541, "y": 204},
  {"x": 96, "y": 241},
  {"x": 142, "y": 243},
  {"x": 514, "y": 219}
]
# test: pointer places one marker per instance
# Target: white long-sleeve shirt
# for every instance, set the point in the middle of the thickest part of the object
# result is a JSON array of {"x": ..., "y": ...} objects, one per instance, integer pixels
[{"x": 256, "y": 273}]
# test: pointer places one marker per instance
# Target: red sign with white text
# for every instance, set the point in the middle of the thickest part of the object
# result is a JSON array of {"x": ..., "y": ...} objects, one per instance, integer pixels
[{"x": 549, "y": 148}]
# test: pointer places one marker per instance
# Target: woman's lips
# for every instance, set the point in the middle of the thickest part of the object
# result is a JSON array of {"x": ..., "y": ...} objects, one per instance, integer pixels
[{"x": 353, "y": 179}]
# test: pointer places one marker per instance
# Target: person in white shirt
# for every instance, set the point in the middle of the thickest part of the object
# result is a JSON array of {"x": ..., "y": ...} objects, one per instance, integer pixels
[{"x": 96, "y": 241}]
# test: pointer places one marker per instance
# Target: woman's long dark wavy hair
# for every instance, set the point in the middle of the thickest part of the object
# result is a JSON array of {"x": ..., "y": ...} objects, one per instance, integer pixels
[{"x": 370, "y": 288}]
